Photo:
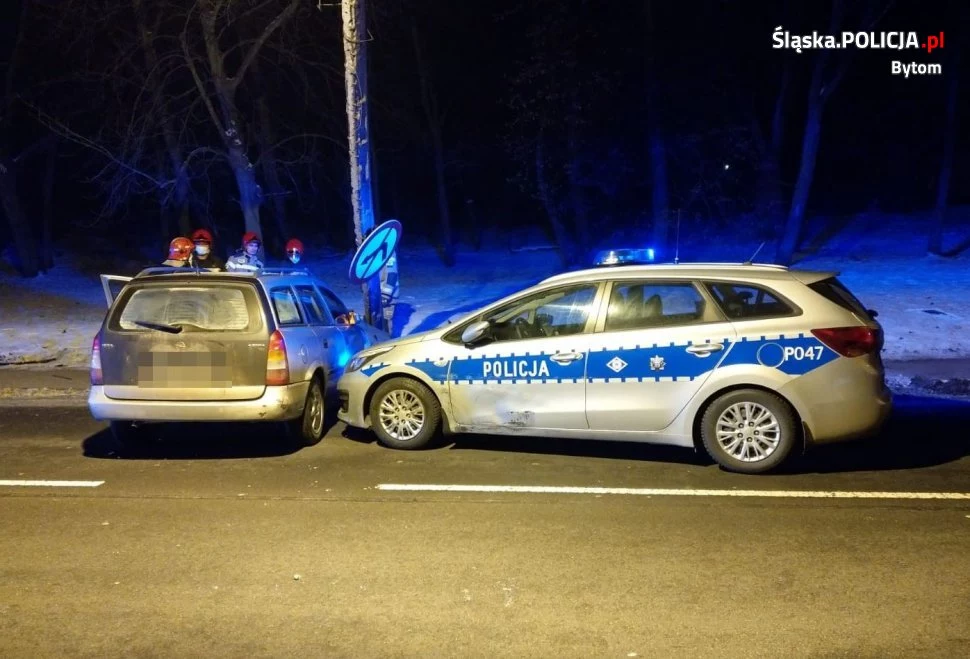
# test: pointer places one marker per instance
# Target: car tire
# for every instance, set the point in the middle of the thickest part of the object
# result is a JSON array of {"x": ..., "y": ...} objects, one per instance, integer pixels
[
  {"x": 749, "y": 431},
  {"x": 128, "y": 435},
  {"x": 307, "y": 429},
  {"x": 404, "y": 414}
]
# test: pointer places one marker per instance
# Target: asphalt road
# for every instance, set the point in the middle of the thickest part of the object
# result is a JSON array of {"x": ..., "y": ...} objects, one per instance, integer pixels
[{"x": 224, "y": 541}]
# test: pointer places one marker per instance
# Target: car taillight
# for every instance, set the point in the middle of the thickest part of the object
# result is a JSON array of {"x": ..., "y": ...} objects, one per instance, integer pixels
[
  {"x": 97, "y": 376},
  {"x": 277, "y": 368},
  {"x": 850, "y": 341}
]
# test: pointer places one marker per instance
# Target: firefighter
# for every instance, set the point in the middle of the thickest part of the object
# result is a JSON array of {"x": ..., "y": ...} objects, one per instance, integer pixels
[
  {"x": 203, "y": 257},
  {"x": 179, "y": 252},
  {"x": 294, "y": 250},
  {"x": 247, "y": 259}
]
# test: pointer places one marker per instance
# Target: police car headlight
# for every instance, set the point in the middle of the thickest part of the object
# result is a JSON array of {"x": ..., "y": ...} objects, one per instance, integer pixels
[{"x": 361, "y": 358}]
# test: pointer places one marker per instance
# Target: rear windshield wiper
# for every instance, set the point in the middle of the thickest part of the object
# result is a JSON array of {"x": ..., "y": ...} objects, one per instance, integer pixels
[{"x": 161, "y": 327}]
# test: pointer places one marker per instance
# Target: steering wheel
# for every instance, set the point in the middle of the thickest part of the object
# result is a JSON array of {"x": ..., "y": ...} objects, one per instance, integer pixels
[{"x": 522, "y": 329}]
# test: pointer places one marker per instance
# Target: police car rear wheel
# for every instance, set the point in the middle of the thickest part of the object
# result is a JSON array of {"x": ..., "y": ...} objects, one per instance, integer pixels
[
  {"x": 404, "y": 414},
  {"x": 749, "y": 431}
]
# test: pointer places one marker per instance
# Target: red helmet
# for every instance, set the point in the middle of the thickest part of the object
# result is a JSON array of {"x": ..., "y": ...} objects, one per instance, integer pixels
[
  {"x": 250, "y": 237},
  {"x": 294, "y": 245},
  {"x": 180, "y": 248},
  {"x": 202, "y": 236}
]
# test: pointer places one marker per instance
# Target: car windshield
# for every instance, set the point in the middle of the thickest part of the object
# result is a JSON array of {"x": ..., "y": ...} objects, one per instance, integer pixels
[{"x": 196, "y": 308}]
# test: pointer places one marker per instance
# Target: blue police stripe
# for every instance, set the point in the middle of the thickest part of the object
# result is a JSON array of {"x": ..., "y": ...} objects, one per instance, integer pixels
[{"x": 793, "y": 355}]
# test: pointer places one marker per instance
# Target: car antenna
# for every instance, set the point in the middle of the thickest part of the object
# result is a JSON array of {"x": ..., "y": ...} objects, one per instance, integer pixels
[
  {"x": 677, "y": 244},
  {"x": 751, "y": 260}
]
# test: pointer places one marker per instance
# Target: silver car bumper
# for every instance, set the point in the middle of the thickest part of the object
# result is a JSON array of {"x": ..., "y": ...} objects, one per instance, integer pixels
[
  {"x": 276, "y": 404},
  {"x": 352, "y": 389}
]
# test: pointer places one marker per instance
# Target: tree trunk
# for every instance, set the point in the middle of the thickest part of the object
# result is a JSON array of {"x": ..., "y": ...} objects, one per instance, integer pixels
[
  {"x": 429, "y": 104},
  {"x": 548, "y": 201},
  {"x": 768, "y": 193},
  {"x": 249, "y": 192},
  {"x": 20, "y": 227},
  {"x": 441, "y": 188},
  {"x": 47, "y": 244},
  {"x": 355, "y": 79},
  {"x": 935, "y": 244},
  {"x": 806, "y": 171},
  {"x": 271, "y": 168}
]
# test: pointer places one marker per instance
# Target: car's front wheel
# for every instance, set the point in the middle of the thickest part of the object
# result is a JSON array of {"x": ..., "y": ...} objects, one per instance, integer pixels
[
  {"x": 404, "y": 414},
  {"x": 749, "y": 431}
]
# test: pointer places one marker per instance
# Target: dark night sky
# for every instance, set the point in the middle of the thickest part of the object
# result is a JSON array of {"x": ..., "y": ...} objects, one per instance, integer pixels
[{"x": 881, "y": 138}]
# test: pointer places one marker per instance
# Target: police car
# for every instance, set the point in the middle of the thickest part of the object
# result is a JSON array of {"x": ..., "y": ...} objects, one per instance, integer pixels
[{"x": 748, "y": 362}]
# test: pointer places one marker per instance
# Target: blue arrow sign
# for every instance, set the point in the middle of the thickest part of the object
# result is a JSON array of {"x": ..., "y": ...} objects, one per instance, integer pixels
[{"x": 376, "y": 250}]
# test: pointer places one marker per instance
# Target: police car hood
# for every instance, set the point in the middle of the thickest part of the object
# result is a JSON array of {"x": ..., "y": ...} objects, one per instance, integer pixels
[{"x": 413, "y": 338}]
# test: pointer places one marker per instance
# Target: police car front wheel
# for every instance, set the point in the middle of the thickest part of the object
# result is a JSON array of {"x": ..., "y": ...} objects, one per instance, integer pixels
[
  {"x": 749, "y": 431},
  {"x": 404, "y": 414}
]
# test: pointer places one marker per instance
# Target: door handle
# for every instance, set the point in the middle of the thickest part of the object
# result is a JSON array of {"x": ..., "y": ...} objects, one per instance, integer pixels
[
  {"x": 704, "y": 349},
  {"x": 566, "y": 357}
]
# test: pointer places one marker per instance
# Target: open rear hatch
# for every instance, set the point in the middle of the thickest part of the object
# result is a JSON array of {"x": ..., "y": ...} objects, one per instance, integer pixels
[{"x": 191, "y": 340}]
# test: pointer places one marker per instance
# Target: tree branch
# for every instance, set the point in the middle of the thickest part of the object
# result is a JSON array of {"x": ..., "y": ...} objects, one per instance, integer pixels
[
  {"x": 303, "y": 136},
  {"x": 267, "y": 32},
  {"x": 201, "y": 87},
  {"x": 66, "y": 132}
]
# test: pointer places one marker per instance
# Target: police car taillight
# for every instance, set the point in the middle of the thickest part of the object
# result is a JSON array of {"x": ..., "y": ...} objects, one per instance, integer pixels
[
  {"x": 850, "y": 341},
  {"x": 277, "y": 368},
  {"x": 97, "y": 376}
]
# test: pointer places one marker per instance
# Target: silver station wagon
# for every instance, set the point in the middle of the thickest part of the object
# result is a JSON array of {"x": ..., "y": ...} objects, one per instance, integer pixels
[
  {"x": 179, "y": 344},
  {"x": 748, "y": 362}
]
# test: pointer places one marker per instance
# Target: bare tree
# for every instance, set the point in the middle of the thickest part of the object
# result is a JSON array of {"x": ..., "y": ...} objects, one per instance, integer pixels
[
  {"x": 825, "y": 80},
  {"x": 434, "y": 119},
  {"x": 20, "y": 227}
]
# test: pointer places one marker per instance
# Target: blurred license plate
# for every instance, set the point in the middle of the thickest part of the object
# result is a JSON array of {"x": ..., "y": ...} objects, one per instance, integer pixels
[{"x": 184, "y": 369}]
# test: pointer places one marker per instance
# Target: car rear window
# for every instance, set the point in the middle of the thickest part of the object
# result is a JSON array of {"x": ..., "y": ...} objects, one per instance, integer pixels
[
  {"x": 748, "y": 301},
  {"x": 834, "y": 290},
  {"x": 188, "y": 308}
]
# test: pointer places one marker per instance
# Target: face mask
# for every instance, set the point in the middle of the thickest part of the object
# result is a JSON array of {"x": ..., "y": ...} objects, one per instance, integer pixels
[{"x": 202, "y": 250}]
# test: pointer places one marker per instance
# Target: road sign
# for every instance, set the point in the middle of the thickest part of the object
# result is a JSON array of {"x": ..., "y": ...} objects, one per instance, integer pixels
[{"x": 375, "y": 251}]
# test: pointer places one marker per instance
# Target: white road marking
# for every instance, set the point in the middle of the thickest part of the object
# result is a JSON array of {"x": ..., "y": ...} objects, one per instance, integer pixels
[
  {"x": 660, "y": 492},
  {"x": 8, "y": 483}
]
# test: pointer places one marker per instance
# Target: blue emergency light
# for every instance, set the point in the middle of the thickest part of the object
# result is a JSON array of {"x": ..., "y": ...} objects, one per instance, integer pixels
[{"x": 626, "y": 256}]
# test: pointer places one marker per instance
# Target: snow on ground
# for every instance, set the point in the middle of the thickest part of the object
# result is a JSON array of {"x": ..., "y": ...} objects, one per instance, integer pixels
[{"x": 923, "y": 302}]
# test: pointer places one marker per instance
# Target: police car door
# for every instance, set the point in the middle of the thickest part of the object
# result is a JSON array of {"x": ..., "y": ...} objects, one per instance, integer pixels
[
  {"x": 529, "y": 372},
  {"x": 653, "y": 349}
]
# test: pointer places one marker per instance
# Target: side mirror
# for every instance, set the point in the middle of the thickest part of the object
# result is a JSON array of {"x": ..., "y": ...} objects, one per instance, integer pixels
[
  {"x": 474, "y": 332},
  {"x": 346, "y": 319},
  {"x": 872, "y": 312}
]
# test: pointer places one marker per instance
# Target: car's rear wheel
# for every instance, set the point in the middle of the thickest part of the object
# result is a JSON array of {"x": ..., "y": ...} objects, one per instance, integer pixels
[
  {"x": 307, "y": 429},
  {"x": 128, "y": 435},
  {"x": 404, "y": 414},
  {"x": 749, "y": 431}
]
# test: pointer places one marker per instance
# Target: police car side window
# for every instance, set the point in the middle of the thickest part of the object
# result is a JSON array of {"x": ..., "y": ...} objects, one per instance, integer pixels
[
  {"x": 642, "y": 305},
  {"x": 557, "y": 312},
  {"x": 285, "y": 305},
  {"x": 747, "y": 301}
]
